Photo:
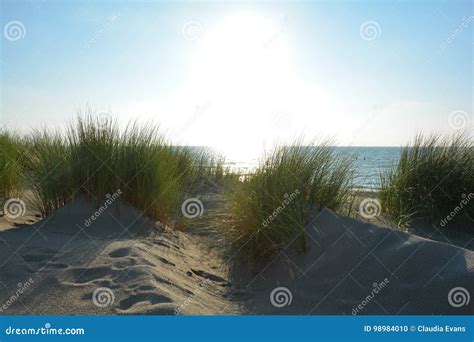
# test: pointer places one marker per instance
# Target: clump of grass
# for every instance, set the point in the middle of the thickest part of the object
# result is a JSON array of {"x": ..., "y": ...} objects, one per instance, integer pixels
[
  {"x": 95, "y": 159},
  {"x": 269, "y": 209},
  {"x": 47, "y": 170},
  {"x": 94, "y": 148},
  {"x": 152, "y": 174},
  {"x": 10, "y": 169},
  {"x": 433, "y": 176}
]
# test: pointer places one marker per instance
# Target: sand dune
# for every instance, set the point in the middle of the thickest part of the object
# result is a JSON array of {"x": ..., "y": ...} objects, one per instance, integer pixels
[
  {"x": 346, "y": 260},
  {"x": 149, "y": 270},
  {"x": 126, "y": 264}
]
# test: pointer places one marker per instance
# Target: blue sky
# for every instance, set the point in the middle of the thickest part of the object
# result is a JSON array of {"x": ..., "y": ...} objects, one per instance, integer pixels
[{"x": 248, "y": 74}]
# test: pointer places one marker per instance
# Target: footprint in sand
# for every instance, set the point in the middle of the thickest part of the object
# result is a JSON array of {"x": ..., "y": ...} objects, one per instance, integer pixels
[
  {"x": 145, "y": 297},
  {"x": 120, "y": 252},
  {"x": 125, "y": 263},
  {"x": 40, "y": 255},
  {"x": 84, "y": 275}
]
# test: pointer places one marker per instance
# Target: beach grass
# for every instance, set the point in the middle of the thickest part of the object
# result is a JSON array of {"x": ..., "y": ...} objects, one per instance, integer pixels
[
  {"x": 270, "y": 208},
  {"x": 46, "y": 170},
  {"x": 94, "y": 158},
  {"x": 11, "y": 150},
  {"x": 433, "y": 180}
]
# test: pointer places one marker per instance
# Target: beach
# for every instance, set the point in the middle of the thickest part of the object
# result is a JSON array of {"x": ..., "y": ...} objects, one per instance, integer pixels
[{"x": 125, "y": 263}]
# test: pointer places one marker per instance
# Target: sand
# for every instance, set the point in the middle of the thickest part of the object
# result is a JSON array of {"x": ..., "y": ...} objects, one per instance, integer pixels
[
  {"x": 149, "y": 270},
  {"x": 346, "y": 260},
  {"x": 124, "y": 263}
]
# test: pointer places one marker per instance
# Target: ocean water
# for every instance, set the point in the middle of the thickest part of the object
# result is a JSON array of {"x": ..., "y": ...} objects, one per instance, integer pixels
[{"x": 368, "y": 161}]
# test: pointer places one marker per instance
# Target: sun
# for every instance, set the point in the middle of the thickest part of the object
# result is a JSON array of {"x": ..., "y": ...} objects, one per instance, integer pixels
[
  {"x": 240, "y": 65},
  {"x": 241, "y": 55}
]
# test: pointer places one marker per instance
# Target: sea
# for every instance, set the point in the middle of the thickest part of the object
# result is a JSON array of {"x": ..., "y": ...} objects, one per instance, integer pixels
[{"x": 369, "y": 163}]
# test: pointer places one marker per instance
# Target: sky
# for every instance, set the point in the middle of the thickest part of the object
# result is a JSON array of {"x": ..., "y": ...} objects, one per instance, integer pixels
[{"x": 241, "y": 76}]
